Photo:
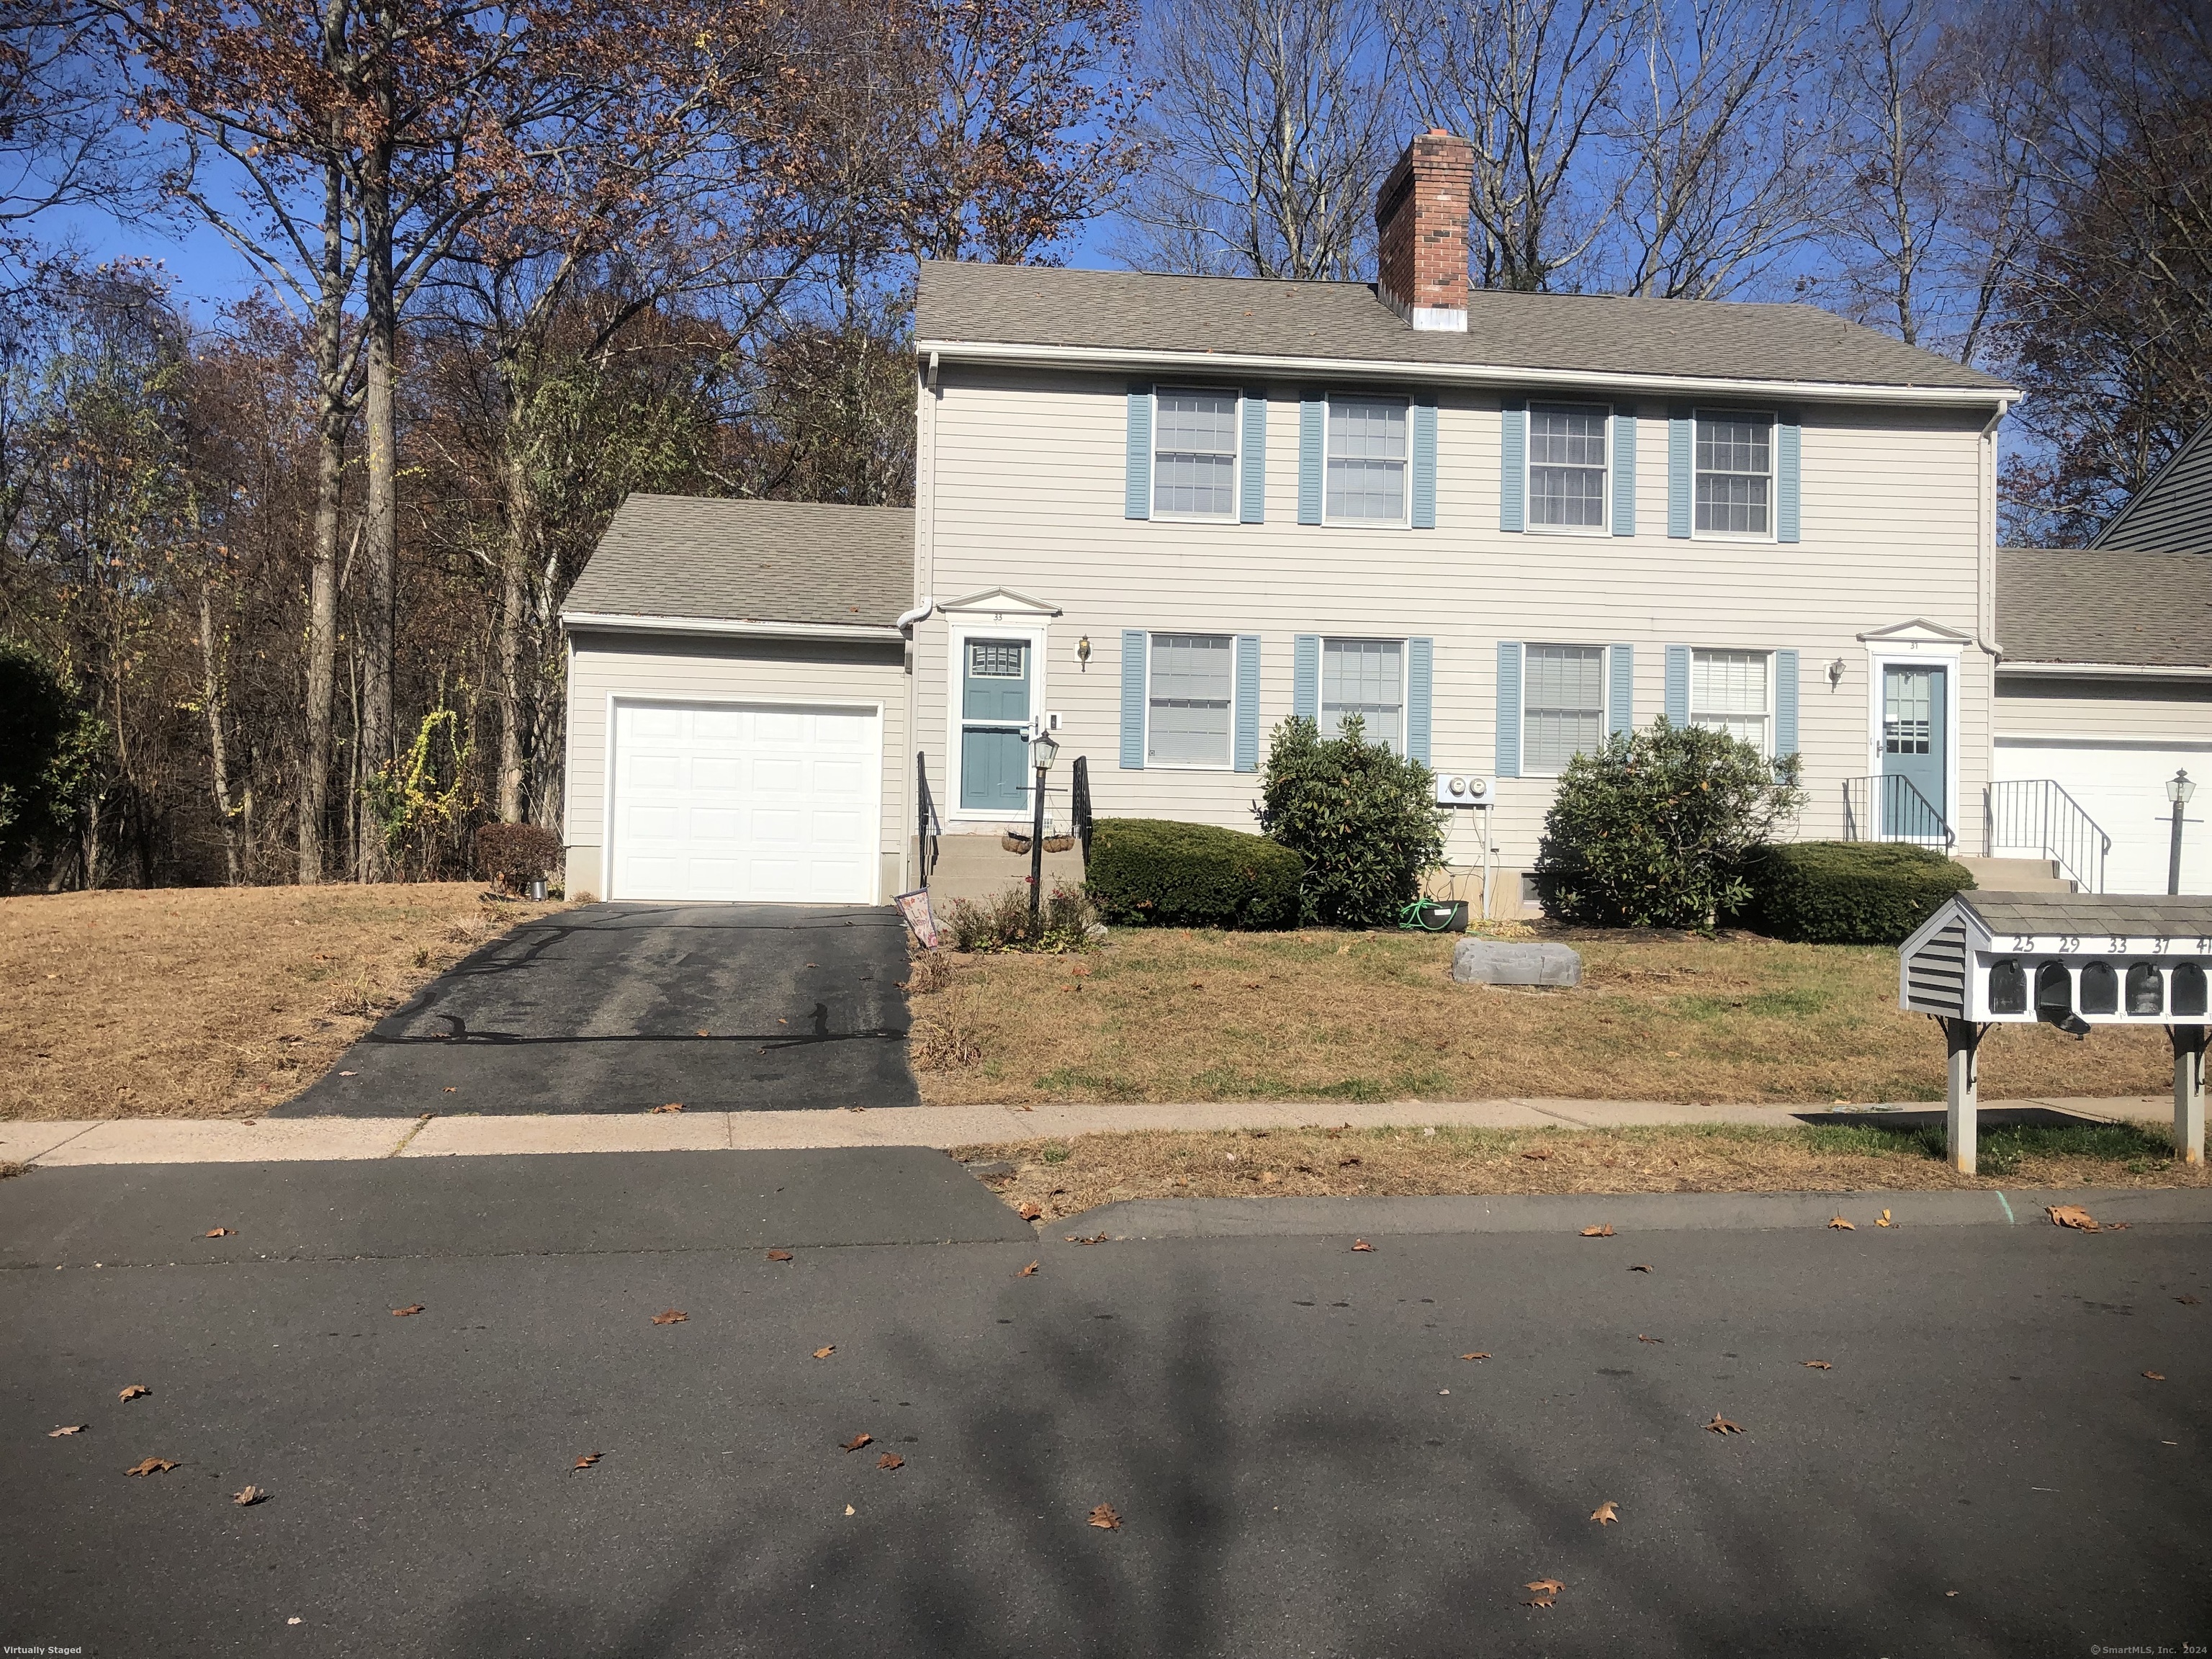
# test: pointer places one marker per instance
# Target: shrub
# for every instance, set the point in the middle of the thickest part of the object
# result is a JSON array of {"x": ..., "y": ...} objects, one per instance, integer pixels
[
  {"x": 1654, "y": 830},
  {"x": 1002, "y": 921},
  {"x": 1363, "y": 819},
  {"x": 515, "y": 854},
  {"x": 1191, "y": 875},
  {"x": 49, "y": 753},
  {"x": 1848, "y": 892}
]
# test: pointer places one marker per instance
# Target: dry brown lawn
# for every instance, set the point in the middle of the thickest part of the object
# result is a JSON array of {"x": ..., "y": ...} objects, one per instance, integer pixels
[
  {"x": 1168, "y": 1016},
  {"x": 1067, "y": 1176},
  {"x": 212, "y": 1002}
]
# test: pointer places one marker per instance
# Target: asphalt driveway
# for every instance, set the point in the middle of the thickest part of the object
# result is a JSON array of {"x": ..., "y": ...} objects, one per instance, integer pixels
[{"x": 620, "y": 1007}]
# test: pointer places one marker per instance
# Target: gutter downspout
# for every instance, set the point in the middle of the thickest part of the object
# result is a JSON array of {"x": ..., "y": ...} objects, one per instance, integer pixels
[
  {"x": 906, "y": 623},
  {"x": 924, "y": 574},
  {"x": 1985, "y": 599}
]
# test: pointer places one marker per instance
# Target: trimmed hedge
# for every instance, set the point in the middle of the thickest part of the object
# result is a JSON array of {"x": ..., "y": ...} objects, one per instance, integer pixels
[
  {"x": 1191, "y": 875},
  {"x": 1848, "y": 892}
]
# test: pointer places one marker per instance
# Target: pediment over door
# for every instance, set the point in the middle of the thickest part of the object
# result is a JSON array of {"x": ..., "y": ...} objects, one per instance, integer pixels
[
  {"x": 999, "y": 605},
  {"x": 1916, "y": 632}
]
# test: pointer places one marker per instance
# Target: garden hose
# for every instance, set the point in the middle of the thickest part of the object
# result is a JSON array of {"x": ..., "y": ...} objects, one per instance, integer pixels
[{"x": 1428, "y": 916}]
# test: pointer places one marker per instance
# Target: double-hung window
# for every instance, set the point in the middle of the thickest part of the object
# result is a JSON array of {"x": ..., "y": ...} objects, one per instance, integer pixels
[
  {"x": 1366, "y": 678},
  {"x": 1567, "y": 466},
  {"x": 1194, "y": 454},
  {"x": 1191, "y": 688},
  {"x": 1365, "y": 480},
  {"x": 1735, "y": 473},
  {"x": 1563, "y": 705},
  {"x": 1728, "y": 693}
]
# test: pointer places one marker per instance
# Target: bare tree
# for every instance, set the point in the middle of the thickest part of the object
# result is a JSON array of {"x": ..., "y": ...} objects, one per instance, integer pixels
[{"x": 61, "y": 143}]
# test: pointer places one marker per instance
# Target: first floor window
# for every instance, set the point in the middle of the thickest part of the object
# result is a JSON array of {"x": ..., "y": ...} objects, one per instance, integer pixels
[
  {"x": 1736, "y": 474},
  {"x": 1566, "y": 466},
  {"x": 1366, "y": 477},
  {"x": 1191, "y": 688},
  {"x": 1194, "y": 454},
  {"x": 1366, "y": 678},
  {"x": 1728, "y": 693},
  {"x": 1563, "y": 704}
]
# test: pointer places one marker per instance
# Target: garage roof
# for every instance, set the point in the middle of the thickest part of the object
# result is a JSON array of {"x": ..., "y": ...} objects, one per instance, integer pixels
[
  {"x": 745, "y": 561},
  {"x": 2101, "y": 605}
]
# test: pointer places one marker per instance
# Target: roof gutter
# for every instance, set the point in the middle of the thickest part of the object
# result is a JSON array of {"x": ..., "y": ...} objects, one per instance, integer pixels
[
  {"x": 1226, "y": 362},
  {"x": 613, "y": 621},
  {"x": 2096, "y": 671}
]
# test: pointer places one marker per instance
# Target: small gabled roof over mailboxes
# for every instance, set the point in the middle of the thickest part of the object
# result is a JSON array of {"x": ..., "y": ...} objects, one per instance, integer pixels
[
  {"x": 2083, "y": 915},
  {"x": 1937, "y": 966}
]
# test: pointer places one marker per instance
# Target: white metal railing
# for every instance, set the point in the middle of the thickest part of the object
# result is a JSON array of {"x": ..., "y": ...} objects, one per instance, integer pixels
[{"x": 2037, "y": 816}]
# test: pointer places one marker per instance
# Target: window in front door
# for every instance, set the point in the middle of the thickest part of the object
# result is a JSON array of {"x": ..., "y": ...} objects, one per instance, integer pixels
[{"x": 994, "y": 714}]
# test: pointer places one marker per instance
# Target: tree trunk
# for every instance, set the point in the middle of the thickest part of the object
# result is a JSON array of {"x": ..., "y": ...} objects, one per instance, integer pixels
[
  {"x": 218, "y": 751},
  {"x": 323, "y": 578},
  {"x": 514, "y": 625},
  {"x": 381, "y": 525}
]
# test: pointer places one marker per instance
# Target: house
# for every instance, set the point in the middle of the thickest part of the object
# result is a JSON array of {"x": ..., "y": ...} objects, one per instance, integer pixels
[{"x": 2172, "y": 514}]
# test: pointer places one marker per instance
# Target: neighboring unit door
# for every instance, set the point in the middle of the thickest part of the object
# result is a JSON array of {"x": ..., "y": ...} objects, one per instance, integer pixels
[
  {"x": 995, "y": 677},
  {"x": 745, "y": 801},
  {"x": 1915, "y": 699}
]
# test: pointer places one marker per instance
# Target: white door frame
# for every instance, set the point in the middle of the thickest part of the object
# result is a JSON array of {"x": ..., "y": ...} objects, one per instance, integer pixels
[
  {"x": 961, "y": 631},
  {"x": 1948, "y": 655}
]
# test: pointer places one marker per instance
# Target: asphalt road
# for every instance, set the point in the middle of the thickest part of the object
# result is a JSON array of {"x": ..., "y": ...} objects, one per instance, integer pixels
[
  {"x": 619, "y": 1007},
  {"x": 1302, "y": 1462}
]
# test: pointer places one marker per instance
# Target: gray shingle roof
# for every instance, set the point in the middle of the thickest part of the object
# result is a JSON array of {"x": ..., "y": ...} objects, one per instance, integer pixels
[
  {"x": 788, "y": 562},
  {"x": 2101, "y": 605},
  {"x": 2085, "y": 913},
  {"x": 1137, "y": 311}
]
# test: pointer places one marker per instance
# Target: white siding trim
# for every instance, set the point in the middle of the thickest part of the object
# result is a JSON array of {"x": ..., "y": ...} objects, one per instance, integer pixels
[{"x": 618, "y": 622}]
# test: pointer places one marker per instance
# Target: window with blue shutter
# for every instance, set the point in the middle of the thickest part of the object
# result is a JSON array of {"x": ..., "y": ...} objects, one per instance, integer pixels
[
  {"x": 1248, "y": 703},
  {"x": 1513, "y": 464},
  {"x": 1137, "y": 487},
  {"x": 1789, "y": 443},
  {"x": 1620, "y": 691},
  {"x": 1253, "y": 507},
  {"x": 1678, "y": 686},
  {"x": 1424, "y": 461},
  {"x": 1509, "y": 708},
  {"x": 1305, "y": 678},
  {"x": 1133, "y": 641},
  {"x": 1785, "y": 703},
  {"x": 1420, "y": 696},
  {"x": 1681, "y": 462},
  {"x": 1624, "y": 470},
  {"x": 1313, "y": 438}
]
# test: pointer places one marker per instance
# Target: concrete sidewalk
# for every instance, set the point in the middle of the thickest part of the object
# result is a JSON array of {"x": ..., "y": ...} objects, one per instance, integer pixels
[{"x": 181, "y": 1140}]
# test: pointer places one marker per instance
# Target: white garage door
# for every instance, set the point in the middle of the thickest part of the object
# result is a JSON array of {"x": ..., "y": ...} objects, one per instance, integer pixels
[
  {"x": 746, "y": 801},
  {"x": 2123, "y": 787}
]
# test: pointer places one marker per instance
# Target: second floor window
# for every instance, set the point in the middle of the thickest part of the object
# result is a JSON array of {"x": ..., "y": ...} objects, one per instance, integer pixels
[
  {"x": 1736, "y": 474},
  {"x": 1728, "y": 693},
  {"x": 1566, "y": 466},
  {"x": 1366, "y": 678},
  {"x": 1194, "y": 454},
  {"x": 1563, "y": 705},
  {"x": 1191, "y": 688},
  {"x": 1366, "y": 477}
]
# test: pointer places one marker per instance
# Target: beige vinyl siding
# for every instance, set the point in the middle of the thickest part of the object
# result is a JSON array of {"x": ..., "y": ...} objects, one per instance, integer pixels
[
  {"x": 2144, "y": 709},
  {"x": 1028, "y": 495},
  {"x": 703, "y": 668}
]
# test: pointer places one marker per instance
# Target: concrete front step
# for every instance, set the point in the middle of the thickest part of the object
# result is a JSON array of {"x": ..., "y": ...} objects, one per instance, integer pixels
[
  {"x": 980, "y": 866},
  {"x": 2019, "y": 875}
]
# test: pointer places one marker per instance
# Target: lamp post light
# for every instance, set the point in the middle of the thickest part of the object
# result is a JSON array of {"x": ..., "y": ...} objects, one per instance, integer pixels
[
  {"x": 1042, "y": 752},
  {"x": 2179, "y": 789}
]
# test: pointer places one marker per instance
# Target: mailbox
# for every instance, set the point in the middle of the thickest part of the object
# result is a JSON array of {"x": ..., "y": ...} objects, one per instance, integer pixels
[{"x": 2073, "y": 960}]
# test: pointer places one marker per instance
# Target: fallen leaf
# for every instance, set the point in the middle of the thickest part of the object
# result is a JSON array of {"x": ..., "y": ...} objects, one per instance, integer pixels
[
  {"x": 2070, "y": 1215},
  {"x": 1672, "y": 1055},
  {"x": 1605, "y": 1514},
  {"x": 1605, "y": 1232},
  {"x": 856, "y": 1443},
  {"x": 348, "y": 1074},
  {"x": 825, "y": 1351},
  {"x": 151, "y": 1465},
  {"x": 672, "y": 1106},
  {"x": 1883, "y": 1220},
  {"x": 407, "y": 1312},
  {"x": 848, "y": 1509},
  {"x": 588, "y": 1459},
  {"x": 702, "y": 1033},
  {"x": 1544, "y": 1586},
  {"x": 1344, "y": 950},
  {"x": 1841, "y": 1225},
  {"x": 450, "y": 1091},
  {"x": 891, "y": 1460},
  {"x": 1361, "y": 1244},
  {"x": 670, "y": 1316},
  {"x": 219, "y": 1233},
  {"x": 248, "y": 1496},
  {"x": 2155, "y": 1376},
  {"x": 1102, "y": 1515},
  {"x": 1030, "y": 1209},
  {"x": 1095, "y": 1238},
  {"x": 1539, "y": 1153},
  {"x": 778, "y": 1255},
  {"x": 72, "y": 1428},
  {"x": 1474, "y": 1356},
  {"x": 1816, "y": 1364},
  {"x": 2118, "y": 1226},
  {"x": 1720, "y": 1426},
  {"x": 136, "y": 1391},
  {"x": 2187, "y": 1301},
  {"x": 1540, "y": 1601},
  {"x": 1640, "y": 1337},
  {"x": 1640, "y": 1267},
  {"x": 1029, "y": 1272}
]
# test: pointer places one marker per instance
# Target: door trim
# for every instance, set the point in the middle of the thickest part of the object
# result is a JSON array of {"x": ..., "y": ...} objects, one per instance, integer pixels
[
  {"x": 956, "y": 659},
  {"x": 617, "y": 699},
  {"x": 1919, "y": 654}
]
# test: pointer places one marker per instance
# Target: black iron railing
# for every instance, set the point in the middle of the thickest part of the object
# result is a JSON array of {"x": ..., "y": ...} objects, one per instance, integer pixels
[
  {"x": 928, "y": 827},
  {"x": 1887, "y": 807},
  {"x": 1079, "y": 805}
]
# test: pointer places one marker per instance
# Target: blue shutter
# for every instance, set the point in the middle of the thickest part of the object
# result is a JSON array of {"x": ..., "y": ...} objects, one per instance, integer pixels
[
  {"x": 1785, "y": 703},
  {"x": 1509, "y": 708},
  {"x": 1624, "y": 470},
  {"x": 1313, "y": 437},
  {"x": 1248, "y": 703},
  {"x": 1138, "y": 490},
  {"x": 1252, "y": 508},
  {"x": 1513, "y": 464},
  {"x": 1424, "y": 461},
  {"x": 1133, "y": 641},
  {"x": 1305, "y": 678},
  {"x": 1789, "y": 441},
  {"x": 1681, "y": 462},
  {"x": 1420, "y": 696},
  {"x": 1678, "y": 686},
  {"x": 1620, "y": 704}
]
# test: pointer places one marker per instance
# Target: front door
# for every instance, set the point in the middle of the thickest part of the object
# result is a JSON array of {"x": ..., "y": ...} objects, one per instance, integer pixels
[
  {"x": 995, "y": 677},
  {"x": 1914, "y": 698}
]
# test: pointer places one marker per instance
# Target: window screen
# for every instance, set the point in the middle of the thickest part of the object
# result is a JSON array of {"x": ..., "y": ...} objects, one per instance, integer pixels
[
  {"x": 1563, "y": 704},
  {"x": 1728, "y": 693},
  {"x": 1194, "y": 454},
  {"x": 1735, "y": 468},
  {"x": 1566, "y": 466},
  {"x": 1190, "y": 687},
  {"x": 1367, "y": 479},
  {"x": 1366, "y": 678}
]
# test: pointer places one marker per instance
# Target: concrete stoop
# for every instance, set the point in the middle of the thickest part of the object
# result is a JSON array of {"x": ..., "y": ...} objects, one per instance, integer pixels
[
  {"x": 978, "y": 866},
  {"x": 2019, "y": 875}
]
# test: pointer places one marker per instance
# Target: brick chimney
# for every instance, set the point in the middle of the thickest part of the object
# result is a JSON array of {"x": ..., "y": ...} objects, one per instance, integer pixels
[{"x": 1420, "y": 223}]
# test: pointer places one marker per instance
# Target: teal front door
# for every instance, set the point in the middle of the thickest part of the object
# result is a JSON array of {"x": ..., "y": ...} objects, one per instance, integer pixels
[
  {"x": 995, "y": 715},
  {"x": 1915, "y": 699}
]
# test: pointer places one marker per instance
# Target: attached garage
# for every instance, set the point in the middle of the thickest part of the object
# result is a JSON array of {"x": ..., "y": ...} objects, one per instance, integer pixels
[{"x": 738, "y": 687}]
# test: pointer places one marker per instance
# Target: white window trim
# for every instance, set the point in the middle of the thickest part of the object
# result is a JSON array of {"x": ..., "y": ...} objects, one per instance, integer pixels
[
  {"x": 1236, "y": 705},
  {"x": 1604, "y": 526},
  {"x": 1749, "y": 538},
  {"x": 1942, "y": 654},
  {"x": 1405, "y": 644},
  {"x": 1604, "y": 696},
  {"x": 1405, "y": 520},
  {"x": 1234, "y": 514},
  {"x": 1767, "y": 652},
  {"x": 956, "y": 659}
]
